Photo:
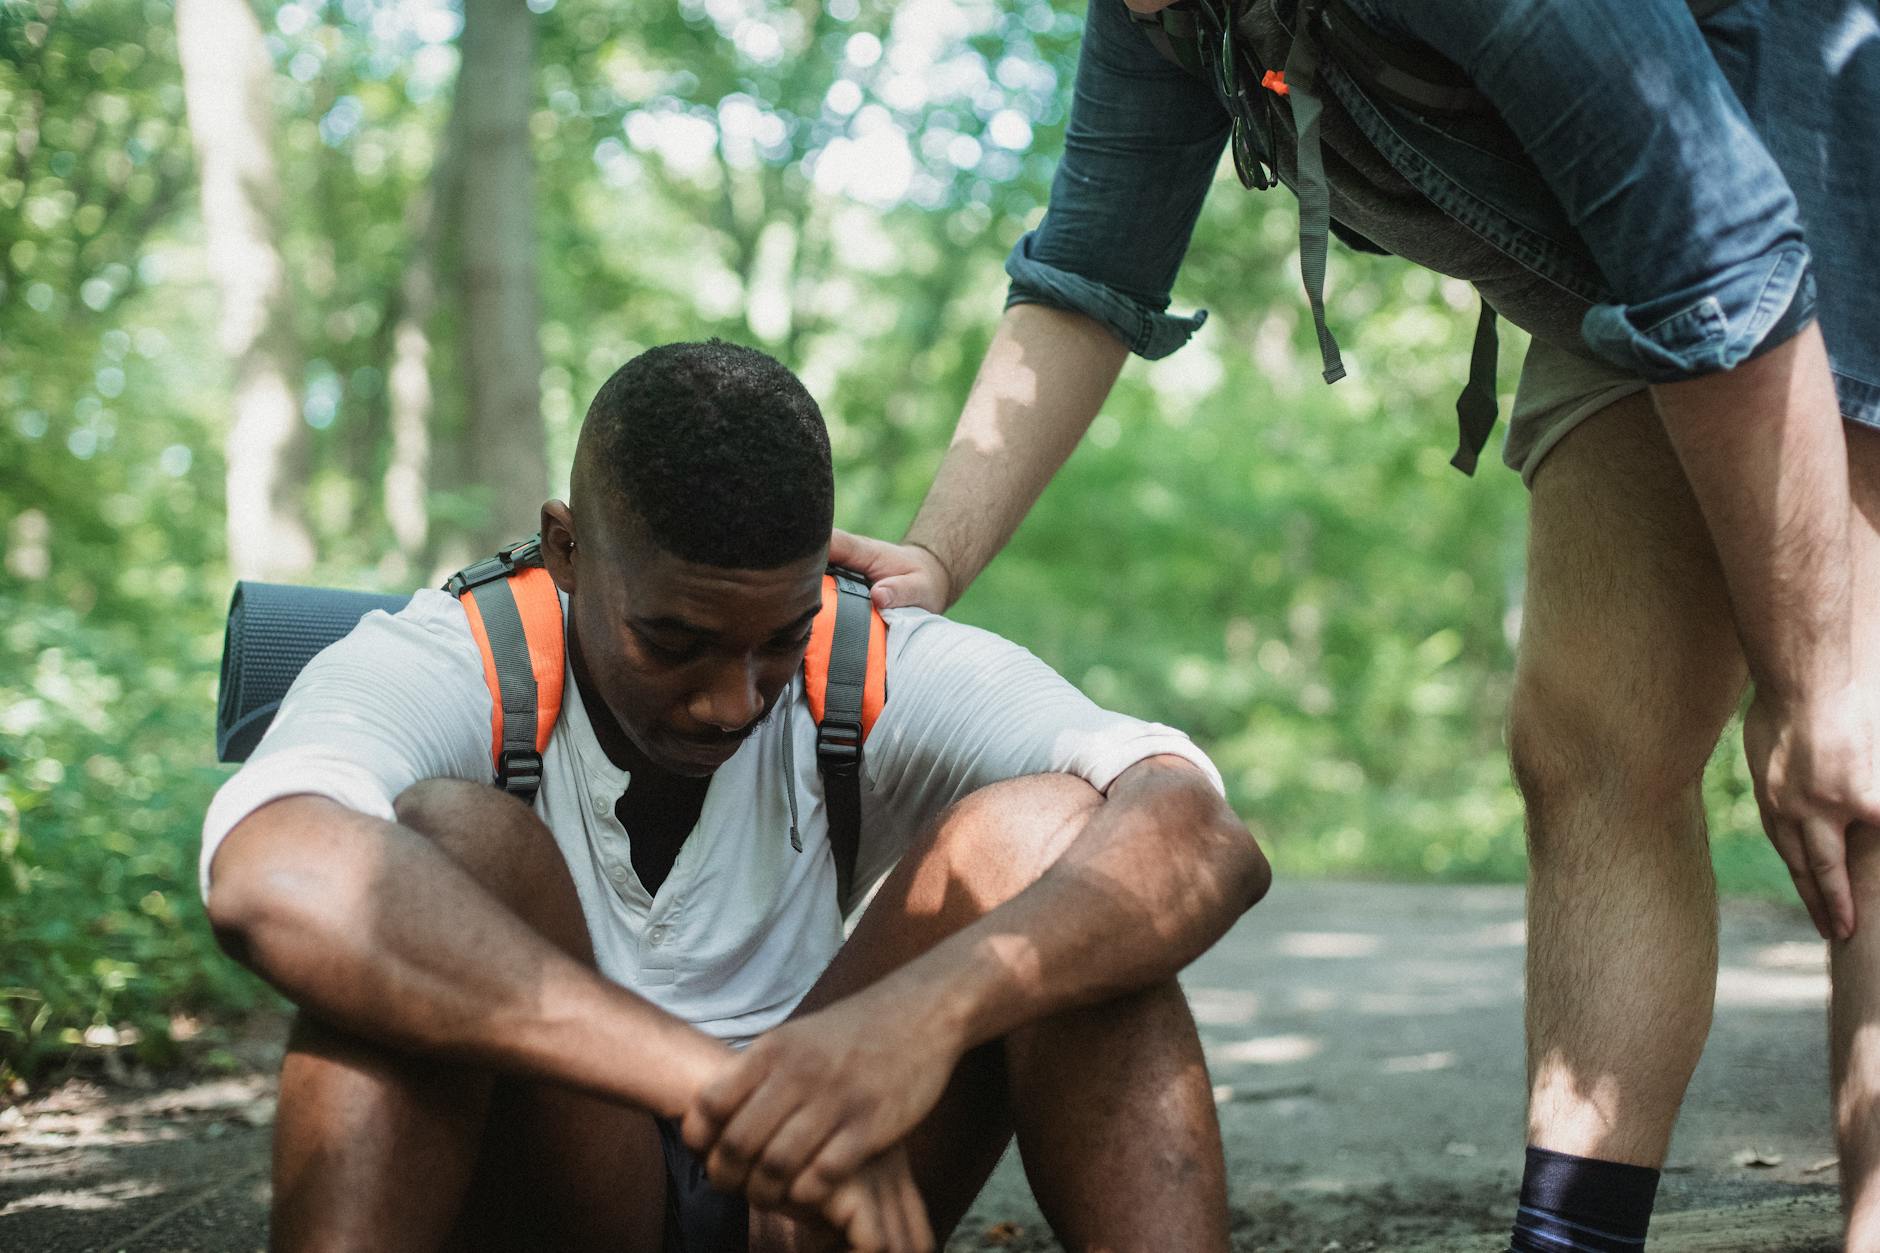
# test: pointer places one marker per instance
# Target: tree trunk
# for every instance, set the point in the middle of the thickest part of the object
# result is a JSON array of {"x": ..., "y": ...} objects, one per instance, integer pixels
[
  {"x": 226, "y": 82},
  {"x": 496, "y": 235},
  {"x": 411, "y": 393}
]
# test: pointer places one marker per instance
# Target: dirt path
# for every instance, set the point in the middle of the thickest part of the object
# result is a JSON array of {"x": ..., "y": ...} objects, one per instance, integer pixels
[{"x": 1366, "y": 1044}]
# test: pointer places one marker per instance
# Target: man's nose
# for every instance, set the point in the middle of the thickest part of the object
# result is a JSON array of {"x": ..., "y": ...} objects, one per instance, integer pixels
[{"x": 730, "y": 699}]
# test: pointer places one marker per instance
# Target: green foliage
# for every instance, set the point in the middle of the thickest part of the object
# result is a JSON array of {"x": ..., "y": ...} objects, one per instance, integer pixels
[
  {"x": 105, "y": 769},
  {"x": 1288, "y": 570}
]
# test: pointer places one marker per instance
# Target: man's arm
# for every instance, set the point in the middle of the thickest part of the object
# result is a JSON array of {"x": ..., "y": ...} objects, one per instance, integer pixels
[
  {"x": 372, "y": 926},
  {"x": 1159, "y": 872},
  {"x": 1766, "y": 455},
  {"x": 1043, "y": 379},
  {"x": 1143, "y": 141}
]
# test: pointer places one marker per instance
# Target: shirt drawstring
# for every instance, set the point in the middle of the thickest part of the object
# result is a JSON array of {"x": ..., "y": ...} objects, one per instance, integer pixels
[{"x": 789, "y": 769}]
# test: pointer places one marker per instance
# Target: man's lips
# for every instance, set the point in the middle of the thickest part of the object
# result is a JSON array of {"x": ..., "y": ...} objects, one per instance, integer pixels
[{"x": 708, "y": 748}]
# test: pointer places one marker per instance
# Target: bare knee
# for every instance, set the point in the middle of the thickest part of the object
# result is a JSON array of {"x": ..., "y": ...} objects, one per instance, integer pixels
[
  {"x": 507, "y": 849},
  {"x": 1580, "y": 741},
  {"x": 997, "y": 841},
  {"x": 452, "y": 811},
  {"x": 489, "y": 832}
]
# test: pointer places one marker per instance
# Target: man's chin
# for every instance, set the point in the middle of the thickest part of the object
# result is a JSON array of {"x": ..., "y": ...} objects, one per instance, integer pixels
[{"x": 692, "y": 759}]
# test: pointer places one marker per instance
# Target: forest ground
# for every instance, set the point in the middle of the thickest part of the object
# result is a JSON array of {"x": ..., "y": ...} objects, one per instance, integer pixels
[{"x": 1365, "y": 1040}]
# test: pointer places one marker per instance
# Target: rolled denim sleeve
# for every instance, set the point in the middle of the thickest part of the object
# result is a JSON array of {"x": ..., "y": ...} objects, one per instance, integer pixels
[
  {"x": 1140, "y": 151},
  {"x": 1626, "y": 115}
]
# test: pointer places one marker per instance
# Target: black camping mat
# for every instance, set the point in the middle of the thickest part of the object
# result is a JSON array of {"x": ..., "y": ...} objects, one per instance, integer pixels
[{"x": 274, "y": 629}]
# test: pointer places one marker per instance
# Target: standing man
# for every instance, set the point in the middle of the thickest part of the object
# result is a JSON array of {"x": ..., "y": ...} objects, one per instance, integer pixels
[{"x": 1678, "y": 202}]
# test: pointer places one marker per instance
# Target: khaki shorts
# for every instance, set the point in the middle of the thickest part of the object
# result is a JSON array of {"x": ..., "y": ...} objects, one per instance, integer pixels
[{"x": 1558, "y": 391}]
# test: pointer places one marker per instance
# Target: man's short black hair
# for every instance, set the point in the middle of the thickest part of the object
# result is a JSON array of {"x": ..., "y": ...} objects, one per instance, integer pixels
[{"x": 719, "y": 449}]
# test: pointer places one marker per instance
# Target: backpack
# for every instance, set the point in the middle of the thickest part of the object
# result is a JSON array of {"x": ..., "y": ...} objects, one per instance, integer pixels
[
  {"x": 1203, "y": 38},
  {"x": 514, "y": 612}
]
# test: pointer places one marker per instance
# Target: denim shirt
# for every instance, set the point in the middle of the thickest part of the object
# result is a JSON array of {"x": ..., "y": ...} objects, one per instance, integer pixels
[{"x": 1647, "y": 209}]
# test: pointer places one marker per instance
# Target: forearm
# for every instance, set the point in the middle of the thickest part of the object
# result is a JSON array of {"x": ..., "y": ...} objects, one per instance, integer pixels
[
  {"x": 1160, "y": 871},
  {"x": 373, "y": 927},
  {"x": 1042, "y": 381},
  {"x": 1766, "y": 456}
]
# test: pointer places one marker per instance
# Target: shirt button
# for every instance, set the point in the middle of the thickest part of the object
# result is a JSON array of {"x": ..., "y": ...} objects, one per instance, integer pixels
[
  {"x": 656, "y": 935},
  {"x": 620, "y": 874},
  {"x": 602, "y": 807}
]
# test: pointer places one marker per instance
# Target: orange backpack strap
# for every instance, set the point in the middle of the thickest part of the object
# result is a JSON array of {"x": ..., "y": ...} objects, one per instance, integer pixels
[
  {"x": 515, "y": 617},
  {"x": 845, "y": 677}
]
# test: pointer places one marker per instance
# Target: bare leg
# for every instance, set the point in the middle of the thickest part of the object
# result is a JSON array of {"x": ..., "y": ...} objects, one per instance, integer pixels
[
  {"x": 381, "y": 1148},
  {"x": 1629, "y": 669},
  {"x": 1117, "y": 1125},
  {"x": 370, "y": 1145},
  {"x": 1113, "y": 1105},
  {"x": 1854, "y": 1020},
  {"x": 1854, "y": 1052}
]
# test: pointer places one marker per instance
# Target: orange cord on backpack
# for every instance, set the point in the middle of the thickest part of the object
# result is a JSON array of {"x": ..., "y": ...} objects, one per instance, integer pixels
[{"x": 1275, "y": 82}]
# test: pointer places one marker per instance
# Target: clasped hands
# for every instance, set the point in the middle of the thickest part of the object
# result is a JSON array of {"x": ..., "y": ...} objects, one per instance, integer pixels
[{"x": 811, "y": 1117}]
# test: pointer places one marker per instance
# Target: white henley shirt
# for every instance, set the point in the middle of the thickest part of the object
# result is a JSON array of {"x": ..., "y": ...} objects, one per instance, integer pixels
[{"x": 743, "y": 924}]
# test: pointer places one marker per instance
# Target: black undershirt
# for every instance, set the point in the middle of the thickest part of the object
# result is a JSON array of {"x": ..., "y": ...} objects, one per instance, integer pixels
[
  {"x": 659, "y": 811},
  {"x": 659, "y": 808}
]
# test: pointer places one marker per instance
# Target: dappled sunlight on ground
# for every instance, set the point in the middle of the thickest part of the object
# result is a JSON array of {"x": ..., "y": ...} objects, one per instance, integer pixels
[
  {"x": 1770, "y": 976},
  {"x": 1740, "y": 988},
  {"x": 1272, "y": 1050},
  {"x": 1811, "y": 955},
  {"x": 1419, "y": 1063},
  {"x": 111, "y": 1195},
  {"x": 1222, "y": 1007},
  {"x": 1329, "y": 944},
  {"x": 1496, "y": 935}
]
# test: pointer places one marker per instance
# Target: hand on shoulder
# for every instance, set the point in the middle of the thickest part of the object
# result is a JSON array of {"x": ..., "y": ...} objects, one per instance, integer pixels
[{"x": 903, "y": 574}]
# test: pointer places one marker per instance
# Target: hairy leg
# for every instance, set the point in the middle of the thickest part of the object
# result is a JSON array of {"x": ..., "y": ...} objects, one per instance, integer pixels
[
  {"x": 1854, "y": 1049},
  {"x": 1854, "y": 1019},
  {"x": 376, "y": 1147},
  {"x": 1628, "y": 670},
  {"x": 1112, "y": 1103}
]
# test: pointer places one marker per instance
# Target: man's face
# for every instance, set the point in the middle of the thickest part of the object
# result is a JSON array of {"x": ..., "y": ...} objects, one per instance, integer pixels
[{"x": 688, "y": 658}]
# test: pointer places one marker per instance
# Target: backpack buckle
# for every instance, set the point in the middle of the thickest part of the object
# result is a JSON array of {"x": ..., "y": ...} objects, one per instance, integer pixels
[
  {"x": 519, "y": 772},
  {"x": 839, "y": 746},
  {"x": 520, "y": 555}
]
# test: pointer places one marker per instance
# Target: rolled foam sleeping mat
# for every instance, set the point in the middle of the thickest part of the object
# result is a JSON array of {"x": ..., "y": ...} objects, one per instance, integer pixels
[{"x": 274, "y": 630}]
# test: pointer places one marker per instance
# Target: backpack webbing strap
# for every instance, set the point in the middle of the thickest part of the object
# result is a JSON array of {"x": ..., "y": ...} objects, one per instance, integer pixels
[
  {"x": 1314, "y": 192},
  {"x": 839, "y": 732},
  {"x": 518, "y": 765},
  {"x": 1173, "y": 32},
  {"x": 1417, "y": 78},
  {"x": 514, "y": 614},
  {"x": 1476, "y": 408}
]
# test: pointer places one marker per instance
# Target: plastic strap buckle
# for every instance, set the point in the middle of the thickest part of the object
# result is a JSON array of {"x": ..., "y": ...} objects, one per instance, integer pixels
[
  {"x": 518, "y": 556},
  {"x": 839, "y": 746},
  {"x": 520, "y": 772}
]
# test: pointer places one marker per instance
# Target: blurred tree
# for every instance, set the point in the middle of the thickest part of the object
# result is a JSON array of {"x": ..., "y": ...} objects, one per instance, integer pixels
[
  {"x": 496, "y": 249},
  {"x": 410, "y": 393},
  {"x": 227, "y": 81}
]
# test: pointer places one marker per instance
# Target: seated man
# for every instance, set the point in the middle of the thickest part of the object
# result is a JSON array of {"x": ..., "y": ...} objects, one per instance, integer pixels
[{"x": 508, "y": 1013}]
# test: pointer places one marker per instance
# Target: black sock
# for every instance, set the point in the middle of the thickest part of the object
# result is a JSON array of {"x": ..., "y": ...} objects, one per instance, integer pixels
[{"x": 1582, "y": 1205}]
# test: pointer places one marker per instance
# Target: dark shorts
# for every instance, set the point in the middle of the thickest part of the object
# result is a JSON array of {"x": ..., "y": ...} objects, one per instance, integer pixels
[{"x": 699, "y": 1218}]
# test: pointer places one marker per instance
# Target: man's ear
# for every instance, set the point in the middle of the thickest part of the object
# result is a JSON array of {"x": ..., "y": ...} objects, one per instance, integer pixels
[{"x": 558, "y": 543}]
